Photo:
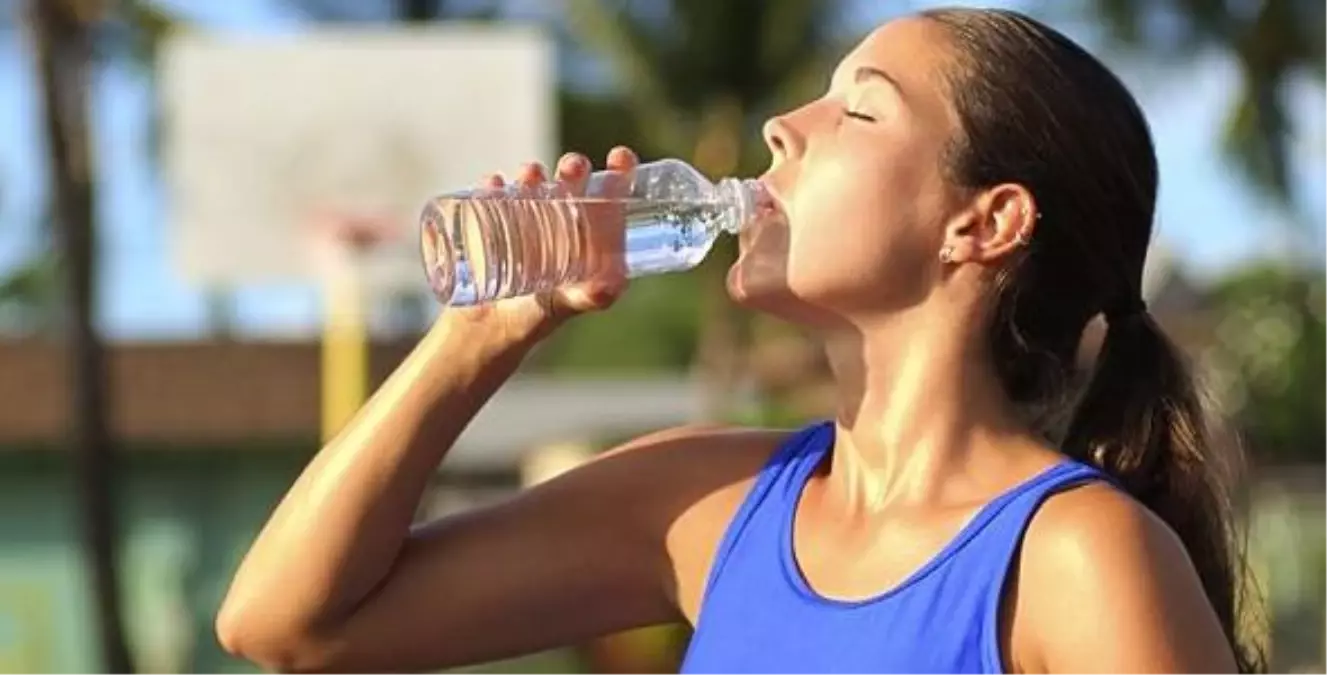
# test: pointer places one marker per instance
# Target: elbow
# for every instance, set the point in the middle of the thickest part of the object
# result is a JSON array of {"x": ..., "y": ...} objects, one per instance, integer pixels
[
  {"x": 256, "y": 637},
  {"x": 240, "y": 638}
]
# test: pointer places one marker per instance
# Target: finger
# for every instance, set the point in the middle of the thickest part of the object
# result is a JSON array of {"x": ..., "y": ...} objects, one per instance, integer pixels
[
  {"x": 573, "y": 171},
  {"x": 621, "y": 158},
  {"x": 532, "y": 174},
  {"x": 621, "y": 174}
]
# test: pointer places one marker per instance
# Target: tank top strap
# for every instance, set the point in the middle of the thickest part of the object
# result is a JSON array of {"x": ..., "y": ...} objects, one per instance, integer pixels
[
  {"x": 1013, "y": 509},
  {"x": 757, "y": 518},
  {"x": 996, "y": 537},
  {"x": 1006, "y": 517}
]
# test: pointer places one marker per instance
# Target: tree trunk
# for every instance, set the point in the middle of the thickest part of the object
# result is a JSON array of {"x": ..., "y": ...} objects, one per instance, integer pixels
[{"x": 62, "y": 42}]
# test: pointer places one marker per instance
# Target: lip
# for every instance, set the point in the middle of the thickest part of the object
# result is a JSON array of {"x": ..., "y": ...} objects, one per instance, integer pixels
[{"x": 772, "y": 193}]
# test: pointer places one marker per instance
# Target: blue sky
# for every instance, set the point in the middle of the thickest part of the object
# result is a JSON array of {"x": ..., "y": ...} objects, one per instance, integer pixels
[{"x": 1208, "y": 220}]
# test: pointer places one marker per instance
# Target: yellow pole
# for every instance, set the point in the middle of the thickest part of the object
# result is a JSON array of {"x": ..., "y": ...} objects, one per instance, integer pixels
[{"x": 345, "y": 370}]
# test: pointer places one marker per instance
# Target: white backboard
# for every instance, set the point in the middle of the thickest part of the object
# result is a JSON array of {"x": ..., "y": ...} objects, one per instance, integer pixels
[{"x": 263, "y": 132}]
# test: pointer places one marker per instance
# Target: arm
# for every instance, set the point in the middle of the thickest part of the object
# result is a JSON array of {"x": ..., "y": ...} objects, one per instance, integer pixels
[
  {"x": 1108, "y": 587},
  {"x": 337, "y": 580}
]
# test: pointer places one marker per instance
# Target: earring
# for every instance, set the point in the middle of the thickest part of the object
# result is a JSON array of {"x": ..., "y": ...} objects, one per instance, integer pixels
[{"x": 947, "y": 254}]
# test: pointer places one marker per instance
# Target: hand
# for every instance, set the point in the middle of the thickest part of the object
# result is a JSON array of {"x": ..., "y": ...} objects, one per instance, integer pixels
[{"x": 601, "y": 239}]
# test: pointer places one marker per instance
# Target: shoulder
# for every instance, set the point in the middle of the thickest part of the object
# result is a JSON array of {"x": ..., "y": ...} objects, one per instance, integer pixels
[
  {"x": 658, "y": 464},
  {"x": 710, "y": 471},
  {"x": 674, "y": 491},
  {"x": 695, "y": 471},
  {"x": 1107, "y": 584},
  {"x": 681, "y": 464},
  {"x": 1097, "y": 524}
]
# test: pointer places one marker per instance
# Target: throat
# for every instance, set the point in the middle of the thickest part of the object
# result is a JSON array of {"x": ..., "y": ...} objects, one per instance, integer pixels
[{"x": 859, "y": 557}]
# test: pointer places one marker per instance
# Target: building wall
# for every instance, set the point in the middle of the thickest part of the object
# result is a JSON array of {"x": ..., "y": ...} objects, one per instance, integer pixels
[
  {"x": 189, "y": 515},
  {"x": 187, "y": 519}
]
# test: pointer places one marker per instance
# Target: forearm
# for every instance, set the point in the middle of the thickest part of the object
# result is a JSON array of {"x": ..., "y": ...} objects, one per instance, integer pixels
[{"x": 337, "y": 532}]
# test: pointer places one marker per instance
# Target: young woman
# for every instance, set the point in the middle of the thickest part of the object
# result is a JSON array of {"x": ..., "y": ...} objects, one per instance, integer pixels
[{"x": 971, "y": 190}]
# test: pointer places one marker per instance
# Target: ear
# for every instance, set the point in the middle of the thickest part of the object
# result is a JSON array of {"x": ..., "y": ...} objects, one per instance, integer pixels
[{"x": 1000, "y": 221}]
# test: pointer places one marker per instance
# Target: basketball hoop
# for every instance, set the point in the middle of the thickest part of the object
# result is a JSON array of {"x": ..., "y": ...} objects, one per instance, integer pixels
[
  {"x": 249, "y": 172},
  {"x": 343, "y": 242}
]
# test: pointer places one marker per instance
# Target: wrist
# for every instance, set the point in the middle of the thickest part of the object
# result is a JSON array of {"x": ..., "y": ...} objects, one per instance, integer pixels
[{"x": 485, "y": 333}]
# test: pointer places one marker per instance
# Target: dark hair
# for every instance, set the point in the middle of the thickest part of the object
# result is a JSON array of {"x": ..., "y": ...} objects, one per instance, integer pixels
[{"x": 1038, "y": 110}]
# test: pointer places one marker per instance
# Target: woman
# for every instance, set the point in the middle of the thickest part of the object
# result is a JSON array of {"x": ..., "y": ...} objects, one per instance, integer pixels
[{"x": 968, "y": 194}]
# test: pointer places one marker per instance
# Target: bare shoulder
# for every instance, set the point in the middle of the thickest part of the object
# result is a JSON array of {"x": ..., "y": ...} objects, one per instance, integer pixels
[
  {"x": 1107, "y": 585},
  {"x": 681, "y": 465},
  {"x": 688, "y": 483},
  {"x": 1099, "y": 519}
]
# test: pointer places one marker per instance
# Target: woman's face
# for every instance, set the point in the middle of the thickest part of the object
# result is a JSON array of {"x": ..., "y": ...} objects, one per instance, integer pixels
[{"x": 859, "y": 176}]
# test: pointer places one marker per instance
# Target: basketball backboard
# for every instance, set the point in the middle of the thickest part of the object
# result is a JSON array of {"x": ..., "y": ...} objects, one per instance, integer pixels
[{"x": 267, "y": 136}]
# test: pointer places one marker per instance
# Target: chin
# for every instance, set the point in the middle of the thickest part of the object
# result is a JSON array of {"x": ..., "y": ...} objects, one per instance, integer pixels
[
  {"x": 768, "y": 292},
  {"x": 753, "y": 288}
]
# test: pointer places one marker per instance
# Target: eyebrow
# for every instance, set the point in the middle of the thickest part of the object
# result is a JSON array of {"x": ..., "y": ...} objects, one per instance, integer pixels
[{"x": 866, "y": 73}]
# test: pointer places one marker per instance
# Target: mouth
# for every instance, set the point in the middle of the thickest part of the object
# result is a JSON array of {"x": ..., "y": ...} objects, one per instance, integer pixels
[{"x": 771, "y": 200}]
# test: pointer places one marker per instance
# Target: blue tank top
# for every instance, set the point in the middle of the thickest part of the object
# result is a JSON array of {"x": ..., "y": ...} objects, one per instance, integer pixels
[{"x": 760, "y": 615}]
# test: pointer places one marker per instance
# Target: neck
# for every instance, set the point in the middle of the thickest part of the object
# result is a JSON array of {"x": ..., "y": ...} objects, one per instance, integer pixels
[{"x": 918, "y": 402}]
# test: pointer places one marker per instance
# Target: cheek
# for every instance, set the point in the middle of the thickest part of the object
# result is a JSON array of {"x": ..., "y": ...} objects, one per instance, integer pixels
[
  {"x": 852, "y": 230},
  {"x": 854, "y": 240}
]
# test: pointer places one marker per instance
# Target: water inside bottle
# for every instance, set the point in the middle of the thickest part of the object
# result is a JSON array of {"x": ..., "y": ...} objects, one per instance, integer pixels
[{"x": 481, "y": 249}]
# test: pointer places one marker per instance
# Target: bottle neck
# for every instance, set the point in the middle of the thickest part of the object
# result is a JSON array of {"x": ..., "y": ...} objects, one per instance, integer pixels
[{"x": 740, "y": 197}]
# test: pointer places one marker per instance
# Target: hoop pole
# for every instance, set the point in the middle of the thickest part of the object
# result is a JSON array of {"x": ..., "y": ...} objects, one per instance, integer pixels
[{"x": 344, "y": 366}]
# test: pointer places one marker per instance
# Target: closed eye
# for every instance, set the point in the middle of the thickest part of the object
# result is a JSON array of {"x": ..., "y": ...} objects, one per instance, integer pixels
[{"x": 859, "y": 116}]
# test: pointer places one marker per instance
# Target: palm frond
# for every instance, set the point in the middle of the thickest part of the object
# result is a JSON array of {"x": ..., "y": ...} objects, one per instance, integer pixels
[
  {"x": 1272, "y": 42},
  {"x": 1256, "y": 140},
  {"x": 617, "y": 35}
]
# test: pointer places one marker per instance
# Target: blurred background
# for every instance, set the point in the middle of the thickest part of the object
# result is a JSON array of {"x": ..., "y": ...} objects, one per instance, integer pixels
[{"x": 186, "y": 186}]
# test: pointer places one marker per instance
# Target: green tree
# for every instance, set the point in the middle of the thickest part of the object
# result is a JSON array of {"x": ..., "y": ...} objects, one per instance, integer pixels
[
  {"x": 29, "y": 295},
  {"x": 1273, "y": 42},
  {"x": 1268, "y": 357}
]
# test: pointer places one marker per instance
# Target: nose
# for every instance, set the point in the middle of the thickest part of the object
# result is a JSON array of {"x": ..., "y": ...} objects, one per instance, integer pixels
[{"x": 782, "y": 139}]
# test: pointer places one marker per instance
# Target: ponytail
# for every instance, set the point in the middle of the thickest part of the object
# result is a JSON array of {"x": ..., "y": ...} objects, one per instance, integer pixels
[
  {"x": 1037, "y": 110},
  {"x": 1141, "y": 421}
]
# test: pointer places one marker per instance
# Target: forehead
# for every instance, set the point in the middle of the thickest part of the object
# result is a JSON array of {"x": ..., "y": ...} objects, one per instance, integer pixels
[{"x": 913, "y": 51}]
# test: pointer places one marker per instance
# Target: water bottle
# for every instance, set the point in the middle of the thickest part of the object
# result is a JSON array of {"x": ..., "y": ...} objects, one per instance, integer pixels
[{"x": 483, "y": 245}]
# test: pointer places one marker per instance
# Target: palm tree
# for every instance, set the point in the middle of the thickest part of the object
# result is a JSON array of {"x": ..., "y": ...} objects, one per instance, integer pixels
[
  {"x": 68, "y": 39},
  {"x": 29, "y": 295},
  {"x": 1273, "y": 42},
  {"x": 62, "y": 40}
]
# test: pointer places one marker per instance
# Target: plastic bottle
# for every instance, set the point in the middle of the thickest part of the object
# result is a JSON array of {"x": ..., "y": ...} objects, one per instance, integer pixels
[{"x": 484, "y": 245}]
